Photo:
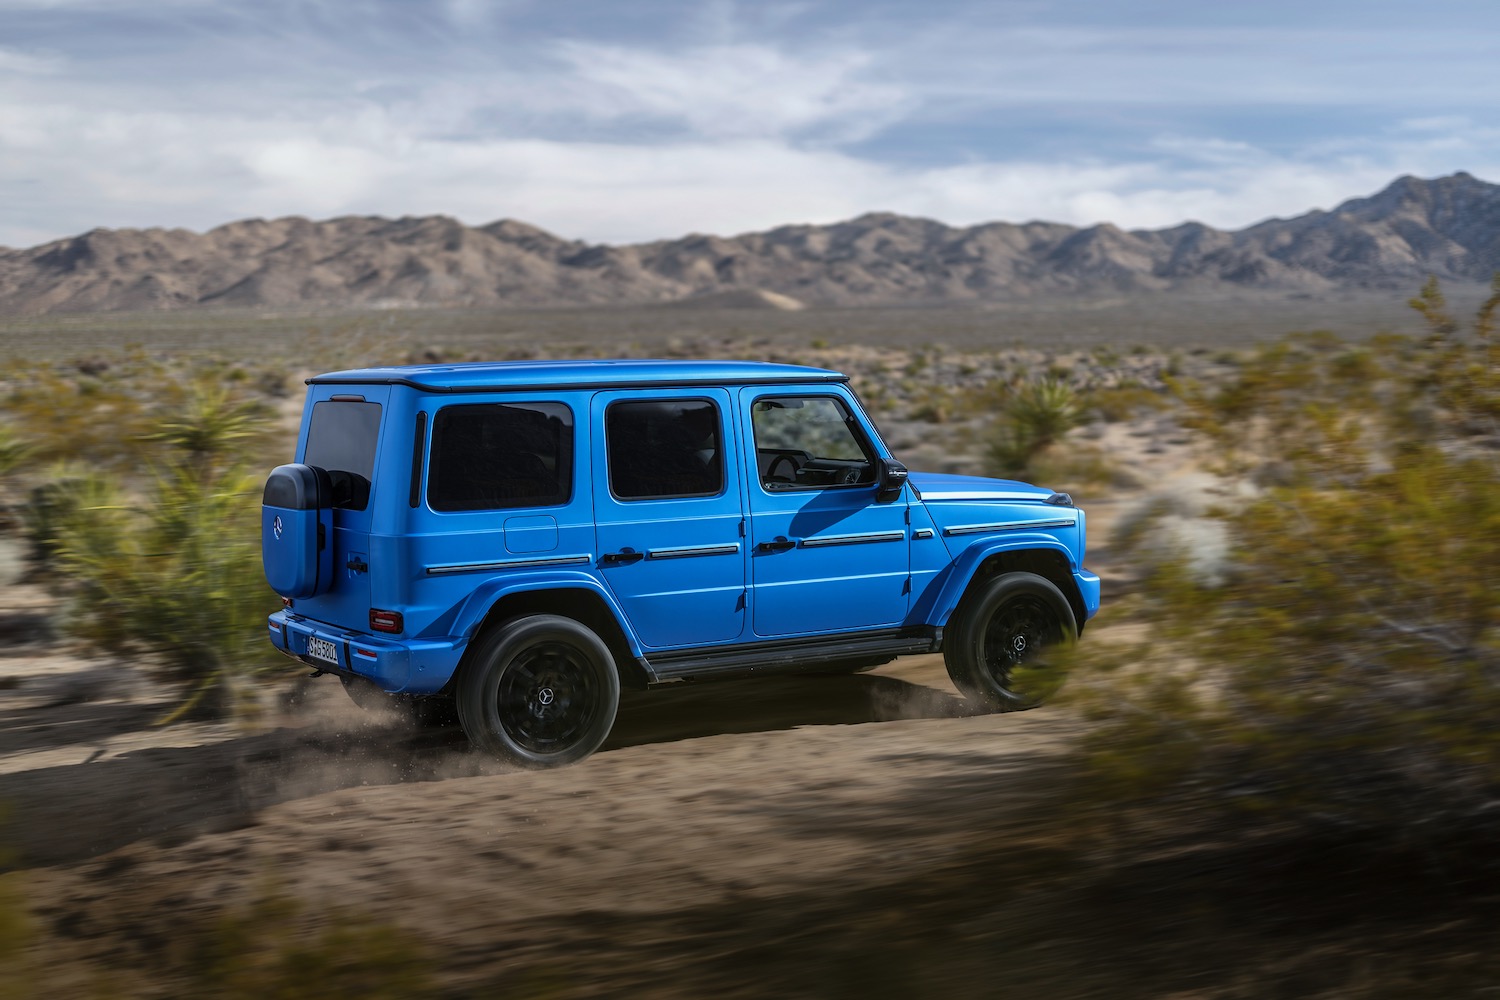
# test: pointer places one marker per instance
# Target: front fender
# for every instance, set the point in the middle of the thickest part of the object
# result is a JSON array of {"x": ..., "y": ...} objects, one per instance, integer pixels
[{"x": 946, "y": 595}]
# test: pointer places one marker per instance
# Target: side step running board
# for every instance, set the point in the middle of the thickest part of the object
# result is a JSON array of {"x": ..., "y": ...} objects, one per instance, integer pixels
[{"x": 780, "y": 657}]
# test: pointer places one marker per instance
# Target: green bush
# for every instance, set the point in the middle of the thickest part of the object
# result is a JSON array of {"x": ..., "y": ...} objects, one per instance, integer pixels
[
  {"x": 1032, "y": 417},
  {"x": 1345, "y": 674},
  {"x": 165, "y": 561},
  {"x": 174, "y": 574},
  {"x": 263, "y": 953}
]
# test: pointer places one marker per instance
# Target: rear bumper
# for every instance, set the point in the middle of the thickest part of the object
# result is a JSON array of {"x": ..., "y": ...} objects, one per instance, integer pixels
[{"x": 409, "y": 666}]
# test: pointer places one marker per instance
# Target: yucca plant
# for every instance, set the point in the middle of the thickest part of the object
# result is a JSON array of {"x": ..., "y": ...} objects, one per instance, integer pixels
[
  {"x": 174, "y": 574},
  {"x": 1033, "y": 417},
  {"x": 206, "y": 420}
]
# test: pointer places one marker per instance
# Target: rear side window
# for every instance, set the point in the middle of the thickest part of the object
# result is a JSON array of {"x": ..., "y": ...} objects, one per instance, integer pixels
[
  {"x": 341, "y": 438},
  {"x": 490, "y": 456},
  {"x": 662, "y": 448}
]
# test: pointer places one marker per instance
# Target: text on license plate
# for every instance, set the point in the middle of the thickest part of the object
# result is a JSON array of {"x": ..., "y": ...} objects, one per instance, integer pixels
[{"x": 322, "y": 649}]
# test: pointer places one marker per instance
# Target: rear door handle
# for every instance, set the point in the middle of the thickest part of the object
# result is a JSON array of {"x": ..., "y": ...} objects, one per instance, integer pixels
[
  {"x": 616, "y": 558},
  {"x": 779, "y": 545}
]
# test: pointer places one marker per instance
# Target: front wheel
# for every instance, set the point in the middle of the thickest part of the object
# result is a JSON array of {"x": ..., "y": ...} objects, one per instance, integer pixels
[
  {"x": 992, "y": 645},
  {"x": 539, "y": 691}
]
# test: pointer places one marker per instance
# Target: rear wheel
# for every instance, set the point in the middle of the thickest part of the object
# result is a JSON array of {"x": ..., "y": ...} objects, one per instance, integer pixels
[
  {"x": 539, "y": 691},
  {"x": 994, "y": 646}
]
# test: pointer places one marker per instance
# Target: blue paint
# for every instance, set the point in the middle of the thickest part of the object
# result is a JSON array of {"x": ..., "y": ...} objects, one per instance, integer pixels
[{"x": 702, "y": 506}]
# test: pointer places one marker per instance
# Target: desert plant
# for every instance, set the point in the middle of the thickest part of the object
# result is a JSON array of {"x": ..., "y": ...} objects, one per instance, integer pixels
[
  {"x": 14, "y": 450},
  {"x": 261, "y": 951},
  {"x": 1345, "y": 672},
  {"x": 206, "y": 420},
  {"x": 1032, "y": 417},
  {"x": 173, "y": 573}
]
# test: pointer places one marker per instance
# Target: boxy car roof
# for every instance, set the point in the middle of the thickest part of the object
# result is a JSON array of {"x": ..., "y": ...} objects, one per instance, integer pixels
[{"x": 506, "y": 376}]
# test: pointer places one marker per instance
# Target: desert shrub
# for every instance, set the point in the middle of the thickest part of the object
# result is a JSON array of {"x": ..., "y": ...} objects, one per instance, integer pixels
[
  {"x": 1032, "y": 417},
  {"x": 15, "y": 930},
  {"x": 14, "y": 450},
  {"x": 166, "y": 562},
  {"x": 934, "y": 404},
  {"x": 173, "y": 574},
  {"x": 263, "y": 952},
  {"x": 15, "y": 974},
  {"x": 1122, "y": 402},
  {"x": 206, "y": 420},
  {"x": 98, "y": 419},
  {"x": 1344, "y": 673}
]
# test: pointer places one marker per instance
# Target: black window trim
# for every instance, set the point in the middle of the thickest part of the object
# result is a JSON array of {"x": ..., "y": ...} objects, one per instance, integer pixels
[{"x": 719, "y": 411}]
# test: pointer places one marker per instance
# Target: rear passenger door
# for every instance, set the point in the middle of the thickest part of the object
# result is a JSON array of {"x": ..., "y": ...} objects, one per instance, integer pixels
[{"x": 669, "y": 513}]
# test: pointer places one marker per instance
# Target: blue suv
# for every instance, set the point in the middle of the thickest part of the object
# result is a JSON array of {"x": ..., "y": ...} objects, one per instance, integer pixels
[{"x": 525, "y": 538}]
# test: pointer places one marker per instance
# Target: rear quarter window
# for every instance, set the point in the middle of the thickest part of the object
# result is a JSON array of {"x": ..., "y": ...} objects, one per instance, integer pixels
[{"x": 493, "y": 456}]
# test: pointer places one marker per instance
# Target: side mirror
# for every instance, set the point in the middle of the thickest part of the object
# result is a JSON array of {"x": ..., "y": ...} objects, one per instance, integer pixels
[{"x": 892, "y": 479}]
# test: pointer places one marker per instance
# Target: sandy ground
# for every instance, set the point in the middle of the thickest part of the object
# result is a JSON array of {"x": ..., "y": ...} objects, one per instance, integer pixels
[{"x": 733, "y": 795}]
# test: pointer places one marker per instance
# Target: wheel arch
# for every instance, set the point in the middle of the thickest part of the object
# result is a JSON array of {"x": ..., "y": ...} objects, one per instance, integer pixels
[
  {"x": 573, "y": 599},
  {"x": 1051, "y": 562}
]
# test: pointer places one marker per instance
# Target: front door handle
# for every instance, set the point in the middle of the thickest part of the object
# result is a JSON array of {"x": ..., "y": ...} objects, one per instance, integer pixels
[
  {"x": 616, "y": 558},
  {"x": 779, "y": 545}
]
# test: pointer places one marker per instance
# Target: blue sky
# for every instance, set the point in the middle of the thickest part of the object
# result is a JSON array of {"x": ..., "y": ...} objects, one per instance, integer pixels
[{"x": 644, "y": 119}]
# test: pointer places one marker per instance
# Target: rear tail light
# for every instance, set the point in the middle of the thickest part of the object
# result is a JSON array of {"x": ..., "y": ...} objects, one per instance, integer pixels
[
  {"x": 286, "y": 602},
  {"x": 385, "y": 621}
]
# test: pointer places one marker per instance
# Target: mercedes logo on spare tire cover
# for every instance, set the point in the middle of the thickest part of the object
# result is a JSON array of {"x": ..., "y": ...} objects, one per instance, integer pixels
[{"x": 276, "y": 527}]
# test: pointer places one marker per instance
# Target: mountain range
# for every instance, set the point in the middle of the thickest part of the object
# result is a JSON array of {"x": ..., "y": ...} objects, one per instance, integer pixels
[{"x": 1448, "y": 226}]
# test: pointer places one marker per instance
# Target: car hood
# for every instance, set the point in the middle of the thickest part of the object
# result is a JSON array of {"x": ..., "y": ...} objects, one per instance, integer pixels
[{"x": 935, "y": 486}]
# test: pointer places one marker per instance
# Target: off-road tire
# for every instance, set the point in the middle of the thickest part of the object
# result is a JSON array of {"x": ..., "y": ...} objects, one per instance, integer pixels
[
  {"x": 539, "y": 691},
  {"x": 1004, "y": 621}
]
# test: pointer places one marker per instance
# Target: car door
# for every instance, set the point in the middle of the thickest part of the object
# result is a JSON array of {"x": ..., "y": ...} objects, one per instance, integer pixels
[
  {"x": 669, "y": 513},
  {"x": 825, "y": 554}
]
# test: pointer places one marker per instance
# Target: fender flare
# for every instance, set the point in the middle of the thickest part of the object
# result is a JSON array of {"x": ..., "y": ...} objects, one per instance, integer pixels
[
  {"x": 962, "y": 571},
  {"x": 483, "y": 598}
]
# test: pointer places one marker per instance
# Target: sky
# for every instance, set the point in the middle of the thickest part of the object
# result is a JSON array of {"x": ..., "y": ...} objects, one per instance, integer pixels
[{"x": 630, "y": 120}]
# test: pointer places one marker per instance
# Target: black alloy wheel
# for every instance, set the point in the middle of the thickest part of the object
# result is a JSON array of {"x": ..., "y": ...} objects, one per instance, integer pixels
[
  {"x": 548, "y": 697},
  {"x": 1003, "y": 625},
  {"x": 539, "y": 691}
]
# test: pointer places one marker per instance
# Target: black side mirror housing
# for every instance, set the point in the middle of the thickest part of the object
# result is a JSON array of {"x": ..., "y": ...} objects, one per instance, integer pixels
[{"x": 892, "y": 479}]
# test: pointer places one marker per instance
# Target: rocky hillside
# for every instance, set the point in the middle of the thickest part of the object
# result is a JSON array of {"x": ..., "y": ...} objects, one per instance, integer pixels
[{"x": 1449, "y": 226}]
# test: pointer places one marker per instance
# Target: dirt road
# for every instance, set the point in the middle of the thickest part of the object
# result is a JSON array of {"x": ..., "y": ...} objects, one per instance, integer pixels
[{"x": 717, "y": 819}]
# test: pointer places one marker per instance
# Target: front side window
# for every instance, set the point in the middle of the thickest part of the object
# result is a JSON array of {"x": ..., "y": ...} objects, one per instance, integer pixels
[
  {"x": 341, "y": 438},
  {"x": 809, "y": 442},
  {"x": 660, "y": 448},
  {"x": 490, "y": 456}
]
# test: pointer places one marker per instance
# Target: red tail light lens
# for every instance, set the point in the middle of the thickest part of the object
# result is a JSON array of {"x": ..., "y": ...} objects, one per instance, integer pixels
[{"x": 385, "y": 621}]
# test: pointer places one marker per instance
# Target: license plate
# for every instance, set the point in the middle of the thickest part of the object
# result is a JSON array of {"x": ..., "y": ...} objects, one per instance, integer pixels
[{"x": 322, "y": 649}]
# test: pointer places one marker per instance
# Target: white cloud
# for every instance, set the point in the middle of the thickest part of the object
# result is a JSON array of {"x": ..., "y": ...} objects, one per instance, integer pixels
[
  {"x": 735, "y": 89},
  {"x": 725, "y": 132},
  {"x": 21, "y": 63},
  {"x": 152, "y": 168}
]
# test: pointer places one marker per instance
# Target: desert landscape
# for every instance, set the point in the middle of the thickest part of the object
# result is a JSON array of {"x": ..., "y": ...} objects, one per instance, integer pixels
[
  {"x": 864, "y": 835},
  {"x": 1226, "y": 274}
]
